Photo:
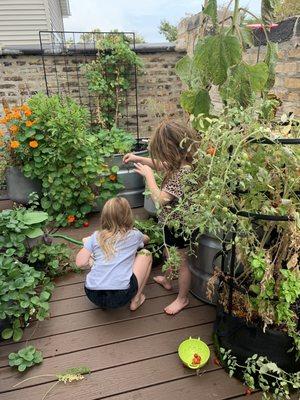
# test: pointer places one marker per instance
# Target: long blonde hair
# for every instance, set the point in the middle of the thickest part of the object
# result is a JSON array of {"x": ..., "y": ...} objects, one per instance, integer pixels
[
  {"x": 115, "y": 221},
  {"x": 172, "y": 144}
]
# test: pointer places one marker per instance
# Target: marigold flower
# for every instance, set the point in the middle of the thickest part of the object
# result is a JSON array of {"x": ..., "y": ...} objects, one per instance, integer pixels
[
  {"x": 15, "y": 115},
  {"x": 71, "y": 218},
  {"x": 1, "y": 143},
  {"x": 3, "y": 120},
  {"x": 14, "y": 129},
  {"x": 6, "y": 111},
  {"x": 14, "y": 144},
  {"x": 34, "y": 144},
  {"x": 29, "y": 123},
  {"x": 1, "y": 133}
]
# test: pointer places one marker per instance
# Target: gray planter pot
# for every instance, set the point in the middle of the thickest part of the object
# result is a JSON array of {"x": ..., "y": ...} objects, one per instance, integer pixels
[
  {"x": 202, "y": 266},
  {"x": 149, "y": 206},
  {"x": 19, "y": 187},
  {"x": 133, "y": 182}
]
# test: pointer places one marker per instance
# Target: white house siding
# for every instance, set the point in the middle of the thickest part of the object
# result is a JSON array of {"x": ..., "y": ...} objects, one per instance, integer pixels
[
  {"x": 21, "y": 21},
  {"x": 55, "y": 15}
]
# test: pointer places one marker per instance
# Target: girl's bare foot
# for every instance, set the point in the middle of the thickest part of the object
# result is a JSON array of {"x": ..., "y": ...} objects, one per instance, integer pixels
[
  {"x": 163, "y": 281},
  {"x": 137, "y": 301},
  {"x": 177, "y": 305}
]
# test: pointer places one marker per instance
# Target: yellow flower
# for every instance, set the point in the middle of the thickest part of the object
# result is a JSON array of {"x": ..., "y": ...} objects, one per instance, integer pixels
[
  {"x": 14, "y": 144},
  {"x": 33, "y": 144},
  {"x": 14, "y": 129}
]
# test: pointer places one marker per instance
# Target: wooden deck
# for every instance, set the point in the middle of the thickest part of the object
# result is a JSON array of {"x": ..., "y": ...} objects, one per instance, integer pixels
[{"x": 132, "y": 355}]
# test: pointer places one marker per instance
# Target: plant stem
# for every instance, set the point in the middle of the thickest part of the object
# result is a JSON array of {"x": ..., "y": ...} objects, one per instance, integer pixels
[
  {"x": 34, "y": 377},
  {"x": 235, "y": 16},
  {"x": 49, "y": 390},
  {"x": 262, "y": 25}
]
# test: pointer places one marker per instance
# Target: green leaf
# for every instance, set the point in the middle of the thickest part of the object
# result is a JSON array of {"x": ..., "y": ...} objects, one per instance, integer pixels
[
  {"x": 211, "y": 11},
  {"x": 258, "y": 75},
  {"x": 34, "y": 233},
  {"x": 271, "y": 60},
  {"x": 22, "y": 367},
  {"x": 215, "y": 54},
  {"x": 183, "y": 69},
  {"x": 196, "y": 102},
  {"x": 34, "y": 217},
  {"x": 7, "y": 333},
  {"x": 18, "y": 333}
]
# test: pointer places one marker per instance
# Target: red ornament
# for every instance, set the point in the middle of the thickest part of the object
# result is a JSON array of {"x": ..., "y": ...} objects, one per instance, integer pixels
[{"x": 86, "y": 224}]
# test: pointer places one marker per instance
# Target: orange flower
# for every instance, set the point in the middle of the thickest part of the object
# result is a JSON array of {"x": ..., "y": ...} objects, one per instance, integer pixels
[
  {"x": 1, "y": 143},
  {"x": 1, "y": 133},
  {"x": 6, "y": 111},
  {"x": 71, "y": 218},
  {"x": 29, "y": 123},
  {"x": 28, "y": 113},
  {"x": 25, "y": 107},
  {"x": 14, "y": 129},
  {"x": 211, "y": 151},
  {"x": 3, "y": 120},
  {"x": 16, "y": 114},
  {"x": 113, "y": 177},
  {"x": 34, "y": 144},
  {"x": 14, "y": 144}
]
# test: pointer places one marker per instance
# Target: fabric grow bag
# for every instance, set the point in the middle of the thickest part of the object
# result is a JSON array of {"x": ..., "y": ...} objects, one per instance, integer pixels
[{"x": 245, "y": 339}]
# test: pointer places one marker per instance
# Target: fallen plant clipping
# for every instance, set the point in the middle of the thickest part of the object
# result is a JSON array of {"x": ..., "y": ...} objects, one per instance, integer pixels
[
  {"x": 68, "y": 376},
  {"x": 25, "y": 358}
]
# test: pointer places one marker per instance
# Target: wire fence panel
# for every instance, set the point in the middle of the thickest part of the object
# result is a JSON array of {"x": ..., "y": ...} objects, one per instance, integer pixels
[{"x": 64, "y": 56}]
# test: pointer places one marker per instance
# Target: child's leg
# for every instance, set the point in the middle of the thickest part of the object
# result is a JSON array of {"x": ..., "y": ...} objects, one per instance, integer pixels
[
  {"x": 162, "y": 279},
  {"x": 141, "y": 269},
  {"x": 184, "y": 282}
]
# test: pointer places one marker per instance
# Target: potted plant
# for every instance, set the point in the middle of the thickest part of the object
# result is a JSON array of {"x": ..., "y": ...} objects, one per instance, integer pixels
[
  {"x": 256, "y": 198},
  {"x": 114, "y": 144},
  {"x": 19, "y": 124}
]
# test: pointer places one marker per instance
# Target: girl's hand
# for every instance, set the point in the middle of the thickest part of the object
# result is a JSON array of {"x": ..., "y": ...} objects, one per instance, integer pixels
[
  {"x": 129, "y": 157},
  {"x": 143, "y": 170}
]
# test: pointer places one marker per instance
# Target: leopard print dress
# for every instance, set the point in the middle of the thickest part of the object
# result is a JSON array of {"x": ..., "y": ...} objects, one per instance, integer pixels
[{"x": 173, "y": 186}]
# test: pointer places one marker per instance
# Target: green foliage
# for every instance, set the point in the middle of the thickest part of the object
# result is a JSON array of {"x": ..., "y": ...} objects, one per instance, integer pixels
[
  {"x": 260, "y": 373},
  {"x": 115, "y": 141},
  {"x": 172, "y": 264},
  {"x": 24, "y": 294},
  {"x": 73, "y": 374},
  {"x": 168, "y": 30},
  {"x": 25, "y": 358},
  {"x": 152, "y": 229},
  {"x": 68, "y": 159},
  {"x": 109, "y": 77},
  {"x": 218, "y": 60},
  {"x": 232, "y": 173},
  {"x": 17, "y": 226},
  {"x": 54, "y": 260},
  {"x": 286, "y": 8}
]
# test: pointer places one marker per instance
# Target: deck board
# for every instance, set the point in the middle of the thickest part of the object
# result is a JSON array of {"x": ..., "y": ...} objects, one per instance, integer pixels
[{"x": 132, "y": 355}]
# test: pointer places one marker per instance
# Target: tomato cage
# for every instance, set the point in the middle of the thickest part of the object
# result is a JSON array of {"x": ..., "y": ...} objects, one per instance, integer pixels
[{"x": 64, "y": 56}]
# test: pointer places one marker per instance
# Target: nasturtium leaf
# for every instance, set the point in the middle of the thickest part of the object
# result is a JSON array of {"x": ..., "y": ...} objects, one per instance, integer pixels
[
  {"x": 211, "y": 10},
  {"x": 215, "y": 54}
]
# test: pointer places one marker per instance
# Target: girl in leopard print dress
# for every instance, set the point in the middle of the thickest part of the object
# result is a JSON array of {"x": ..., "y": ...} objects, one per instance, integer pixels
[{"x": 172, "y": 147}]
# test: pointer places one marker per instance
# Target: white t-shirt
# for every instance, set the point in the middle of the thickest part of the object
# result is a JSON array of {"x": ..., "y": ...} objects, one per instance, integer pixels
[{"x": 114, "y": 273}]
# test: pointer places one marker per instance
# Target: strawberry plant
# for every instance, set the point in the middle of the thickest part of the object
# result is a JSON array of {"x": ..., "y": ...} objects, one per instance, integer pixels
[{"x": 25, "y": 358}]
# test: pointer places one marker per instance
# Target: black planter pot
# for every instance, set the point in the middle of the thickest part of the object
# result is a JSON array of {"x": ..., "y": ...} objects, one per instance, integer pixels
[
  {"x": 19, "y": 187},
  {"x": 245, "y": 340},
  {"x": 4, "y": 323}
]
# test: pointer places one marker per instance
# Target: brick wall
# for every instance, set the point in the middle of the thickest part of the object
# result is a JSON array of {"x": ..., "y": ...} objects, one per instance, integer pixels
[{"x": 158, "y": 88}]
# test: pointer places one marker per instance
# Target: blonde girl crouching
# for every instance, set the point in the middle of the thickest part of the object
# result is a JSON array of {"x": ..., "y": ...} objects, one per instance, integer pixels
[{"x": 119, "y": 272}]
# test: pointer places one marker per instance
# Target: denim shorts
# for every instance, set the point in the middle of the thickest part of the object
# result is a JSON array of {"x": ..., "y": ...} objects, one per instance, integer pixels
[{"x": 108, "y": 299}]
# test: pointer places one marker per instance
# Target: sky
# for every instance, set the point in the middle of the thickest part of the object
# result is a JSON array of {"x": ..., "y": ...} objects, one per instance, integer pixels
[{"x": 140, "y": 16}]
